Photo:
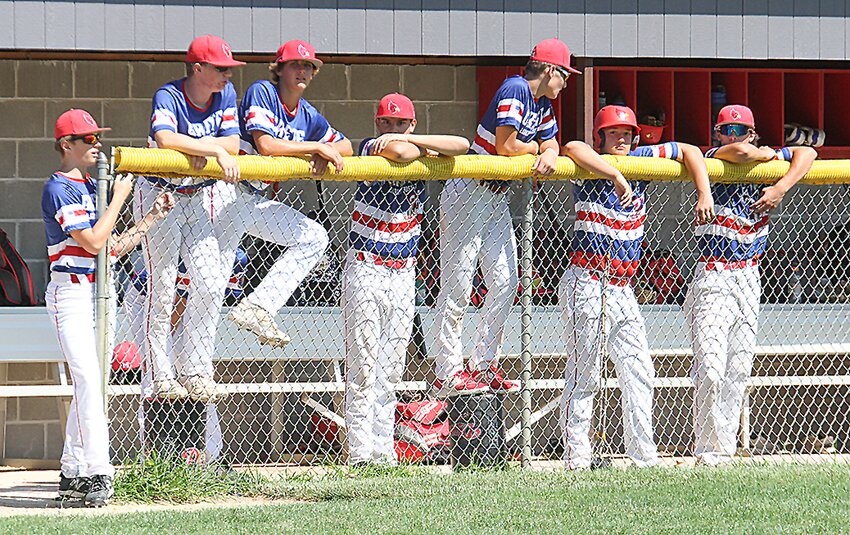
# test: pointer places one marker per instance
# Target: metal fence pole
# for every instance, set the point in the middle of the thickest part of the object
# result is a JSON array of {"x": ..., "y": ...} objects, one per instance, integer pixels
[
  {"x": 525, "y": 304},
  {"x": 102, "y": 282}
]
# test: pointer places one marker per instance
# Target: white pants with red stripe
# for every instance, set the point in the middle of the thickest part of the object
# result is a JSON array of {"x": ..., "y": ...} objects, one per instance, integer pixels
[
  {"x": 134, "y": 305},
  {"x": 189, "y": 229},
  {"x": 475, "y": 225},
  {"x": 71, "y": 310},
  {"x": 377, "y": 310},
  {"x": 580, "y": 296},
  {"x": 721, "y": 308}
]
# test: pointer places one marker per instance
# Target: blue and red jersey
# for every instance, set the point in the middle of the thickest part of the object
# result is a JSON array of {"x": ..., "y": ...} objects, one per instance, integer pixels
[
  {"x": 607, "y": 237},
  {"x": 173, "y": 111},
  {"x": 737, "y": 233},
  {"x": 68, "y": 204},
  {"x": 387, "y": 216},
  {"x": 514, "y": 105}
]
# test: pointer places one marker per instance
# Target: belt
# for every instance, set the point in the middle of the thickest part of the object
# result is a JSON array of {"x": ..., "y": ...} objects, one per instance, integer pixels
[
  {"x": 595, "y": 274},
  {"x": 713, "y": 263},
  {"x": 392, "y": 263},
  {"x": 182, "y": 190},
  {"x": 73, "y": 278}
]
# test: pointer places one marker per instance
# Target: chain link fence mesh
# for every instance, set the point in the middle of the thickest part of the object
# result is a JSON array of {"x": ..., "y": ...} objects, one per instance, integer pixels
[{"x": 285, "y": 405}]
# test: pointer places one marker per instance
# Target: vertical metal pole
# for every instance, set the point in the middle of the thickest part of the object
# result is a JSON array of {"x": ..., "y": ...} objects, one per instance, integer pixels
[
  {"x": 102, "y": 282},
  {"x": 525, "y": 305}
]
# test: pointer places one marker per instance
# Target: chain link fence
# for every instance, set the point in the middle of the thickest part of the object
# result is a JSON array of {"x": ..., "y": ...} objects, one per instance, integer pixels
[{"x": 285, "y": 406}]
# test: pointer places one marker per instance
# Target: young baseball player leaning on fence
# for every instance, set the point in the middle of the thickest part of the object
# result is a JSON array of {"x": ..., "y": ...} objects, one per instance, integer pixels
[
  {"x": 722, "y": 304},
  {"x": 275, "y": 120},
  {"x": 379, "y": 279},
  {"x": 476, "y": 225},
  {"x": 195, "y": 115},
  {"x": 597, "y": 302},
  {"x": 74, "y": 237}
]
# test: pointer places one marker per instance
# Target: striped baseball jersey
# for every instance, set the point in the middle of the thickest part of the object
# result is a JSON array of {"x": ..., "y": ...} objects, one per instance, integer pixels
[
  {"x": 737, "y": 233},
  {"x": 173, "y": 111},
  {"x": 68, "y": 204},
  {"x": 605, "y": 233},
  {"x": 387, "y": 215},
  {"x": 514, "y": 105},
  {"x": 262, "y": 110}
]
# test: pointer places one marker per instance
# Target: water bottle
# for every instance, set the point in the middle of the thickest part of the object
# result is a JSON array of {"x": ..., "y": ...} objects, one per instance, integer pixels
[{"x": 603, "y": 100}]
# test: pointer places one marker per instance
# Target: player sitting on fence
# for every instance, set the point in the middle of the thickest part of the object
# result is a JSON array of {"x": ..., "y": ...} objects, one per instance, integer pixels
[
  {"x": 74, "y": 237},
  {"x": 597, "y": 301},
  {"x": 722, "y": 304},
  {"x": 378, "y": 285}
]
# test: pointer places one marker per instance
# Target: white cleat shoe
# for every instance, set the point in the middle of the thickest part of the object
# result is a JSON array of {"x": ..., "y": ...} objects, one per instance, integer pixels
[
  {"x": 203, "y": 388},
  {"x": 256, "y": 319},
  {"x": 169, "y": 389}
]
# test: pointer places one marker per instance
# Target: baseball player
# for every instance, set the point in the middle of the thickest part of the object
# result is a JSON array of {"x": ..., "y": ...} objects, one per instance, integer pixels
[
  {"x": 74, "y": 237},
  {"x": 134, "y": 300},
  {"x": 275, "y": 120},
  {"x": 597, "y": 301},
  {"x": 475, "y": 222},
  {"x": 378, "y": 283},
  {"x": 197, "y": 116},
  {"x": 722, "y": 304}
]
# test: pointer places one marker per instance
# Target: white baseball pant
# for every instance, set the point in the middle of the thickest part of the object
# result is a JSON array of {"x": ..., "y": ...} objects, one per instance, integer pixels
[
  {"x": 722, "y": 308},
  {"x": 70, "y": 307},
  {"x": 189, "y": 227},
  {"x": 377, "y": 309},
  {"x": 580, "y": 296},
  {"x": 134, "y": 305},
  {"x": 475, "y": 224}
]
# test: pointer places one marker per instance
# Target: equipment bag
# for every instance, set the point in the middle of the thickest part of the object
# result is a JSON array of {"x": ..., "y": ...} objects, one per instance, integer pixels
[
  {"x": 15, "y": 278},
  {"x": 422, "y": 432}
]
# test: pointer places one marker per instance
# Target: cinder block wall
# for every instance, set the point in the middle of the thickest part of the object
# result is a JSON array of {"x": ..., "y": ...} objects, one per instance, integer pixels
[{"x": 118, "y": 94}]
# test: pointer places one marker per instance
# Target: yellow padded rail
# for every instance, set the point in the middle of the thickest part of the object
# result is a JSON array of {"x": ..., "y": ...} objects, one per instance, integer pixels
[{"x": 169, "y": 164}]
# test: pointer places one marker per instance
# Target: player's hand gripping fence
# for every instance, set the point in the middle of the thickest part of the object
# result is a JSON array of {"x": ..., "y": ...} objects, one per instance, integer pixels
[{"x": 286, "y": 404}]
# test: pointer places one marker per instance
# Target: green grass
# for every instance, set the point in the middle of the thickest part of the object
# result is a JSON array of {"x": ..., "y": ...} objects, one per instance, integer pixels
[{"x": 736, "y": 499}]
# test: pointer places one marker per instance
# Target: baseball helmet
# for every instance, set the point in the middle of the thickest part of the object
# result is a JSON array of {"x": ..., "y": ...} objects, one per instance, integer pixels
[
  {"x": 126, "y": 357},
  {"x": 614, "y": 116}
]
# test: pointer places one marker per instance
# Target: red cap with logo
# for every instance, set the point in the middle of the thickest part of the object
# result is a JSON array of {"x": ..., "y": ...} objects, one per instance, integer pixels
[
  {"x": 211, "y": 49},
  {"x": 77, "y": 123},
  {"x": 553, "y": 51},
  {"x": 736, "y": 114},
  {"x": 126, "y": 357},
  {"x": 396, "y": 105},
  {"x": 297, "y": 50}
]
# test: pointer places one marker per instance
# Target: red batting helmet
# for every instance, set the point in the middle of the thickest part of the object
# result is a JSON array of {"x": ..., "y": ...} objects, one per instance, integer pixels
[
  {"x": 614, "y": 116},
  {"x": 126, "y": 357}
]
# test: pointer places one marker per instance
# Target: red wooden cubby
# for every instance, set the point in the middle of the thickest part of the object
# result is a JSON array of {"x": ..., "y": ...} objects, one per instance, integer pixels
[{"x": 776, "y": 96}]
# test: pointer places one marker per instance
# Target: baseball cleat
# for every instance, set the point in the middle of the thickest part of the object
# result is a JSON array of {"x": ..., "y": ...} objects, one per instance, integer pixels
[
  {"x": 203, "y": 388},
  {"x": 494, "y": 378},
  {"x": 100, "y": 492},
  {"x": 254, "y": 318},
  {"x": 73, "y": 488},
  {"x": 169, "y": 389},
  {"x": 459, "y": 384}
]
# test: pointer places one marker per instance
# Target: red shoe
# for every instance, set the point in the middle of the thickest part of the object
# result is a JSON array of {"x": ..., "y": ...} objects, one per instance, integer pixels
[
  {"x": 494, "y": 377},
  {"x": 459, "y": 384}
]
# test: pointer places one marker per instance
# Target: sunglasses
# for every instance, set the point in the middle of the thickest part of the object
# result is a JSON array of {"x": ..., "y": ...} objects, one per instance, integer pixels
[
  {"x": 88, "y": 139},
  {"x": 736, "y": 130},
  {"x": 565, "y": 74},
  {"x": 222, "y": 70}
]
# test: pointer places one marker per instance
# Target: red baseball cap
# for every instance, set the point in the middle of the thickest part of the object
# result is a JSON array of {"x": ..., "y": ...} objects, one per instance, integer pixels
[
  {"x": 77, "y": 123},
  {"x": 297, "y": 50},
  {"x": 211, "y": 49},
  {"x": 396, "y": 105},
  {"x": 126, "y": 357},
  {"x": 736, "y": 114},
  {"x": 553, "y": 51}
]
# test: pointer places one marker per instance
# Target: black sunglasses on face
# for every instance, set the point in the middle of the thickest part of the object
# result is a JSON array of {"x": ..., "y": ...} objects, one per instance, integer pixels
[
  {"x": 222, "y": 70},
  {"x": 565, "y": 74},
  {"x": 88, "y": 139},
  {"x": 737, "y": 130}
]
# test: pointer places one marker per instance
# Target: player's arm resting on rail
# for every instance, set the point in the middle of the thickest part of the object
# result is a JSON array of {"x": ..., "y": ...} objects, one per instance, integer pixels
[
  {"x": 584, "y": 156},
  {"x": 744, "y": 152},
  {"x": 93, "y": 239},
  {"x": 125, "y": 242},
  {"x": 222, "y": 149},
  {"x": 268, "y": 145},
  {"x": 801, "y": 161},
  {"x": 695, "y": 164},
  {"x": 507, "y": 143},
  {"x": 404, "y": 148}
]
